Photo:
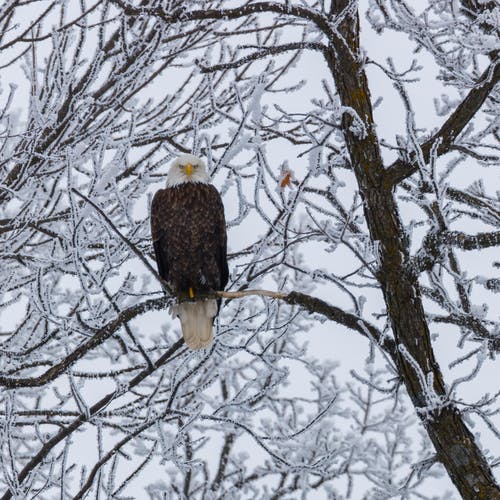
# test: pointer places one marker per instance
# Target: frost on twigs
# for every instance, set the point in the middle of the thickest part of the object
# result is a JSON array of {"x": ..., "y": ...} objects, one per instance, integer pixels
[{"x": 302, "y": 393}]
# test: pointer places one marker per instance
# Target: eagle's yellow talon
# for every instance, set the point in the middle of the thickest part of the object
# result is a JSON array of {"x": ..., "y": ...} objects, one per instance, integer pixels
[{"x": 191, "y": 293}]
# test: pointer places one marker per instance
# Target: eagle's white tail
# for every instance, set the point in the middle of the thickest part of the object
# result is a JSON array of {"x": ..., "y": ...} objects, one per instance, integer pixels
[{"x": 196, "y": 322}]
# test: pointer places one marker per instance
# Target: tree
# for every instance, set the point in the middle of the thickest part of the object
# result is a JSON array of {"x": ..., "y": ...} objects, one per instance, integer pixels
[{"x": 369, "y": 233}]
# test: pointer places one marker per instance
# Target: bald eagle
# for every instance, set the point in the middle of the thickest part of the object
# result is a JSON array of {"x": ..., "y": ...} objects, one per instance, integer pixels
[{"x": 189, "y": 238}]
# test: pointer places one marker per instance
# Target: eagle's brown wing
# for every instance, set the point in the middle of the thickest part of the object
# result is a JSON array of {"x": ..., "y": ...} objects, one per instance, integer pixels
[
  {"x": 215, "y": 201},
  {"x": 159, "y": 212}
]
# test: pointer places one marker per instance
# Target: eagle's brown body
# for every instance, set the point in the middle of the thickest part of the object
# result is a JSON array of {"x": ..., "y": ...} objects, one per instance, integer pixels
[{"x": 189, "y": 238}]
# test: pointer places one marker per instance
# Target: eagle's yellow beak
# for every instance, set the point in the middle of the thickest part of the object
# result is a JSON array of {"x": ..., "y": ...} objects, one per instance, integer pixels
[{"x": 189, "y": 169}]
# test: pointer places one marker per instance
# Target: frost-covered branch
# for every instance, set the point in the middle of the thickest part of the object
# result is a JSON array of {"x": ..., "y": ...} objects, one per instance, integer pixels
[
  {"x": 184, "y": 15},
  {"x": 98, "y": 337},
  {"x": 262, "y": 53},
  {"x": 314, "y": 305},
  {"x": 456, "y": 123}
]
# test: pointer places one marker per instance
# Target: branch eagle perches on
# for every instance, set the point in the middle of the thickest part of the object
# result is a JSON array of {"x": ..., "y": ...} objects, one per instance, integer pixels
[
  {"x": 311, "y": 304},
  {"x": 314, "y": 305}
]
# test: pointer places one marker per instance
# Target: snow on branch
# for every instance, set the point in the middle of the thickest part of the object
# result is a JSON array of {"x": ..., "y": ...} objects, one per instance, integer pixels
[{"x": 183, "y": 14}]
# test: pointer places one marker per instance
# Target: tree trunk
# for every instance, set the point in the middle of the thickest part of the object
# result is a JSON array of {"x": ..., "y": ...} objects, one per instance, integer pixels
[{"x": 454, "y": 443}]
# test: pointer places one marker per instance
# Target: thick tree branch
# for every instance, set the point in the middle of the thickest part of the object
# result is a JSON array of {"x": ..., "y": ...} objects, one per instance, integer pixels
[
  {"x": 434, "y": 244},
  {"x": 451, "y": 128},
  {"x": 318, "y": 306},
  {"x": 474, "y": 325},
  {"x": 465, "y": 241},
  {"x": 184, "y": 15},
  {"x": 416, "y": 360}
]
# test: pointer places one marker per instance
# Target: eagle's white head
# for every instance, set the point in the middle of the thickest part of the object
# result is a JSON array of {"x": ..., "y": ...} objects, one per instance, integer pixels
[{"x": 187, "y": 168}]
